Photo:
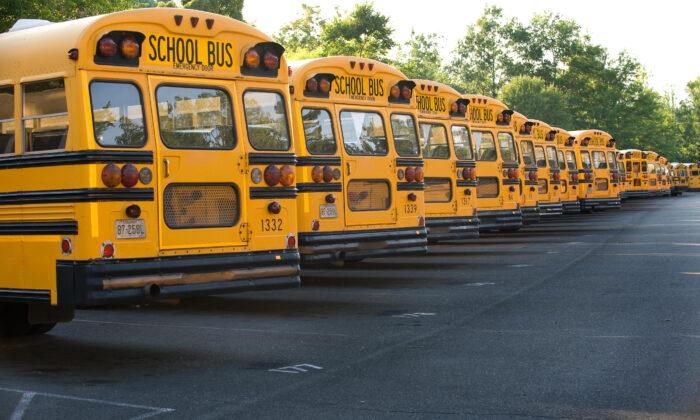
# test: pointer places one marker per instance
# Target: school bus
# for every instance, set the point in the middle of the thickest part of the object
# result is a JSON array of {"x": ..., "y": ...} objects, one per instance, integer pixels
[
  {"x": 597, "y": 191},
  {"x": 680, "y": 179},
  {"x": 361, "y": 175},
  {"x": 497, "y": 164},
  {"x": 550, "y": 184},
  {"x": 654, "y": 172},
  {"x": 636, "y": 169},
  {"x": 450, "y": 167},
  {"x": 566, "y": 155},
  {"x": 624, "y": 177},
  {"x": 665, "y": 177},
  {"x": 693, "y": 177},
  {"x": 528, "y": 172},
  {"x": 135, "y": 145}
]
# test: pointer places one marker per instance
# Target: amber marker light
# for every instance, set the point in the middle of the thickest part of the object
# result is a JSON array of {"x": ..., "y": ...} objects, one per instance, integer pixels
[
  {"x": 111, "y": 175},
  {"x": 395, "y": 91},
  {"x": 324, "y": 85},
  {"x": 130, "y": 48},
  {"x": 317, "y": 174},
  {"x": 287, "y": 175},
  {"x": 419, "y": 174},
  {"x": 251, "y": 59}
]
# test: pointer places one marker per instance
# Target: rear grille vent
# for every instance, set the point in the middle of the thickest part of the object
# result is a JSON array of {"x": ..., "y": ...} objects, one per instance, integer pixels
[
  {"x": 487, "y": 187},
  {"x": 200, "y": 205}
]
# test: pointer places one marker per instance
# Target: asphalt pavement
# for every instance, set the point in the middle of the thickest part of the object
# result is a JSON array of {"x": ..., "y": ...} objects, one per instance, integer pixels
[{"x": 582, "y": 316}]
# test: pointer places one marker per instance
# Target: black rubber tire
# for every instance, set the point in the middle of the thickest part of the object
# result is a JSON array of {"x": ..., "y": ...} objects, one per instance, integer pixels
[{"x": 41, "y": 328}]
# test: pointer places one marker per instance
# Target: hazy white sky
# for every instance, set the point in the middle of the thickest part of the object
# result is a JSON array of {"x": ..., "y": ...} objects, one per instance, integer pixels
[{"x": 662, "y": 35}]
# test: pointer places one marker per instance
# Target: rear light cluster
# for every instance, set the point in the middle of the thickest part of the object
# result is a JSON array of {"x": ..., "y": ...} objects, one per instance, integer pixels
[
  {"x": 320, "y": 84},
  {"x": 569, "y": 141},
  {"x": 525, "y": 128},
  {"x": 574, "y": 177},
  {"x": 128, "y": 175},
  {"x": 585, "y": 141},
  {"x": 411, "y": 174},
  {"x": 263, "y": 59},
  {"x": 550, "y": 135},
  {"x": 325, "y": 174},
  {"x": 512, "y": 173},
  {"x": 610, "y": 143},
  {"x": 274, "y": 175},
  {"x": 459, "y": 107},
  {"x": 504, "y": 117},
  {"x": 533, "y": 176},
  {"x": 588, "y": 176},
  {"x": 402, "y": 91},
  {"x": 468, "y": 174},
  {"x": 556, "y": 176},
  {"x": 119, "y": 48}
]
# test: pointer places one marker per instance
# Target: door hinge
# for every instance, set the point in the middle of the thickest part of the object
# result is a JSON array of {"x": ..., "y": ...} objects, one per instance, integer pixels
[
  {"x": 242, "y": 167},
  {"x": 243, "y": 232}
]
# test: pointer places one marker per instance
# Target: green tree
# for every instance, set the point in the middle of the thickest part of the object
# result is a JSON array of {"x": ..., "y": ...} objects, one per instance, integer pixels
[
  {"x": 419, "y": 58},
  {"x": 481, "y": 57},
  {"x": 230, "y": 8},
  {"x": 301, "y": 37},
  {"x": 687, "y": 117},
  {"x": 537, "y": 100},
  {"x": 362, "y": 33}
]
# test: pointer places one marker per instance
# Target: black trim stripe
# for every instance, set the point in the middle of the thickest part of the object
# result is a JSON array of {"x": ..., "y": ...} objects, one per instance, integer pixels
[
  {"x": 511, "y": 181},
  {"x": 463, "y": 183},
  {"x": 511, "y": 165},
  {"x": 307, "y": 187},
  {"x": 409, "y": 162},
  {"x": 466, "y": 164},
  {"x": 531, "y": 168},
  {"x": 532, "y": 182},
  {"x": 66, "y": 227},
  {"x": 79, "y": 195},
  {"x": 553, "y": 182},
  {"x": 318, "y": 160},
  {"x": 273, "y": 192},
  {"x": 271, "y": 158},
  {"x": 410, "y": 186},
  {"x": 25, "y": 295},
  {"x": 76, "y": 158}
]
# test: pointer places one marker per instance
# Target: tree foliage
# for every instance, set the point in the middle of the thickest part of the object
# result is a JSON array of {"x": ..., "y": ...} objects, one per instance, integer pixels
[
  {"x": 230, "y": 8},
  {"x": 535, "y": 99},
  {"x": 419, "y": 58},
  {"x": 362, "y": 33},
  {"x": 302, "y": 37}
]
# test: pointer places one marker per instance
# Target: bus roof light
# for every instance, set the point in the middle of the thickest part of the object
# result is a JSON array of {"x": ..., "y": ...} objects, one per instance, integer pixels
[
  {"x": 130, "y": 48},
  {"x": 178, "y": 20},
  {"x": 362, "y": 65},
  {"x": 311, "y": 85},
  {"x": 271, "y": 61},
  {"x": 352, "y": 64},
  {"x": 251, "y": 59},
  {"x": 107, "y": 47},
  {"x": 210, "y": 23},
  {"x": 370, "y": 66},
  {"x": 324, "y": 86},
  {"x": 194, "y": 21}
]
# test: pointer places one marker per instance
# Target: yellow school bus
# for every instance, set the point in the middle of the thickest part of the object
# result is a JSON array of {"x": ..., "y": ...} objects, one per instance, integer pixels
[
  {"x": 654, "y": 172},
  {"x": 693, "y": 176},
  {"x": 665, "y": 177},
  {"x": 135, "y": 144},
  {"x": 637, "y": 173},
  {"x": 450, "y": 167},
  {"x": 623, "y": 175},
  {"x": 550, "y": 184},
  {"x": 528, "y": 172},
  {"x": 497, "y": 164},
  {"x": 361, "y": 178},
  {"x": 597, "y": 190},
  {"x": 680, "y": 178},
  {"x": 568, "y": 166}
]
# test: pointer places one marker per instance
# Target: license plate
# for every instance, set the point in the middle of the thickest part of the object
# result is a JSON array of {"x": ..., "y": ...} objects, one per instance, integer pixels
[
  {"x": 328, "y": 211},
  {"x": 130, "y": 228}
]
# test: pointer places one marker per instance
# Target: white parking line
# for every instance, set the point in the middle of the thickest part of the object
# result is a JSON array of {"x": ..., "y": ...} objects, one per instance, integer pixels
[{"x": 27, "y": 397}]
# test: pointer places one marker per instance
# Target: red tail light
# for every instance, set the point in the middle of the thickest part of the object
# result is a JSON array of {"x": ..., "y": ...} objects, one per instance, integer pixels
[
  {"x": 66, "y": 246},
  {"x": 421, "y": 221},
  {"x": 130, "y": 175},
  {"x": 107, "y": 47},
  {"x": 315, "y": 225},
  {"x": 107, "y": 249},
  {"x": 410, "y": 174},
  {"x": 511, "y": 173},
  {"x": 272, "y": 175},
  {"x": 406, "y": 93},
  {"x": 291, "y": 241},
  {"x": 327, "y": 174}
]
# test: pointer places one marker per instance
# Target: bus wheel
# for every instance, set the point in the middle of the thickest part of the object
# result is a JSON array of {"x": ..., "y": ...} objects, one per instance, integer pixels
[
  {"x": 41, "y": 328},
  {"x": 13, "y": 320}
]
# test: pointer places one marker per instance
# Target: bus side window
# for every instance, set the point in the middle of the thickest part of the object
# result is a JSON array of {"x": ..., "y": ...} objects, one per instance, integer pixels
[
  {"x": 628, "y": 166},
  {"x": 44, "y": 115},
  {"x": 117, "y": 114},
  {"x": 318, "y": 131},
  {"x": 7, "y": 120}
]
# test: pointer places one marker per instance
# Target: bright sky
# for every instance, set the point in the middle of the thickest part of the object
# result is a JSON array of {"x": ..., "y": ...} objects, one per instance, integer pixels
[{"x": 662, "y": 35}]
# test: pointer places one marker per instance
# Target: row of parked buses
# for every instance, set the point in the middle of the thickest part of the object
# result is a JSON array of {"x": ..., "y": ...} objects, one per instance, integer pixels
[{"x": 161, "y": 153}]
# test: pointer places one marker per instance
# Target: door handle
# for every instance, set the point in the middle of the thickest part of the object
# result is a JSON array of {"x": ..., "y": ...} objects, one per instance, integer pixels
[
  {"x": 166, "y": 164},
  {"x": 348, "y": 165}
]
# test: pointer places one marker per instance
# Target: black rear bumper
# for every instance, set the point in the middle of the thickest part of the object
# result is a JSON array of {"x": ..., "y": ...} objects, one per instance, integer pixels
[
  {"x": 531, "y": 215},
  {"x": 637, "y": 193},
  {"x": 551, "y": 209},
  {"x": 500, "y": 220},
  {"x": 131, "y": 281},
  {"x": 319, "y": 247},
  {"x": 588, "y": 204},
  {"x": 451, "y": 228},
  {"x": 571, "y": 207}
]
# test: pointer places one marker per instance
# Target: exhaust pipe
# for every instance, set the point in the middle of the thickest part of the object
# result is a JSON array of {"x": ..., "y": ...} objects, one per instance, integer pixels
[{"x": 151, "y": 291}]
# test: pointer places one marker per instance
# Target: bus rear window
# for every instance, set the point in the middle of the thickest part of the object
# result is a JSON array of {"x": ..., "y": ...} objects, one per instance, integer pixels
[
  {"x": 539, "y": 157},
  {"x": 507, "y": 146},
  {"x": 612, "y": 162},
  {"x": 599, "y": 160},
  {"x": 403, "y": 129},
  {"x": 433, "y": 138},
  {"x": 363, "y": 133},
  {"x": 586, "y": 160},
  {"x": 266, "y": 120},
  {"x": 318, "y": 131},
  {"x": 195, "y": 117},
  {"x": 117, "y": 114},
  {"x": 485, "y": 146},
  {"x": 528, "y": 152},
  {"x": 7, "y": 120},
  {"x": 571, "y": 160},
  {"x": 45, "y": 115},
  {"x": 562, "y": 161},
  {"x": 462, "y": 143},
  {"x": 552, "y": 157}
]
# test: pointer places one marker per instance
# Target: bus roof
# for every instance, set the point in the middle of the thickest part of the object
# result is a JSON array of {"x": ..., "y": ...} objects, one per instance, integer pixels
[
  {"x": 561, "y": 136},
  {"x": 47, "y": 47},
  {"x": 434, "y": 99},
  {"x": 485, "y": 110},
  {"x": 596, "y": 138}
]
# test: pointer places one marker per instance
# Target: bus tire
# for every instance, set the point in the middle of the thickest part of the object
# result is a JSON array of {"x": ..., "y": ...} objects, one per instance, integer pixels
[{"x": 41, "y": 328}]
